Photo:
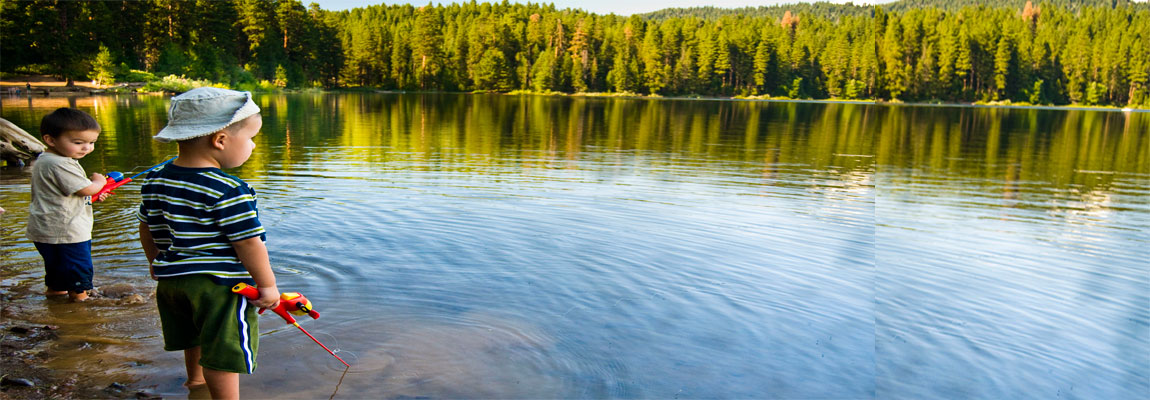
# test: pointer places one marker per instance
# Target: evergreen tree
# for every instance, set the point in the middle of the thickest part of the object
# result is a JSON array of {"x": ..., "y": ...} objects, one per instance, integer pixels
[
  {"x": 580, "y": 51},
  {"x": 765, "y": 61},
  {"x": 491, "y": 71},
  {"x": 1002, "y": 59},
  {"x": 103, "y": 67},
  {"x": 544, "y": 73},
  {"x": 895, "y": 76},
  {"x": 427, "y": 39},
  {"x": 723, "y": 71},
  {"x": 257, "y": 24},
  {"x": 655, "y": 73}
]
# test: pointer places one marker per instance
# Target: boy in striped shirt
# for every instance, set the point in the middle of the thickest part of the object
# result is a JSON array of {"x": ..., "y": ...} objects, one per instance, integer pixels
[{"x": 200, "y": 230}]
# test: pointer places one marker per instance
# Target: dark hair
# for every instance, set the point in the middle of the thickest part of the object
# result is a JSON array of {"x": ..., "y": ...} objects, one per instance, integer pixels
[{"x": 67, "y": 120}]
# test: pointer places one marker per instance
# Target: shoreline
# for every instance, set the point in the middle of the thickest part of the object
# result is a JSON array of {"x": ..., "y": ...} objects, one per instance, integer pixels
[{"x": 46, "y": 87}]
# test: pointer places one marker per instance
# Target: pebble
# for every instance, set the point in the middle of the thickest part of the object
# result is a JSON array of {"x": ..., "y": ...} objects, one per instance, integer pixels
[{"x": 148, "y": 396}]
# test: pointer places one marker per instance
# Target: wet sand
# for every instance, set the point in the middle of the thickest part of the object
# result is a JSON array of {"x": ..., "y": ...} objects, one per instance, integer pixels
[{"x": 53, "y": 348}]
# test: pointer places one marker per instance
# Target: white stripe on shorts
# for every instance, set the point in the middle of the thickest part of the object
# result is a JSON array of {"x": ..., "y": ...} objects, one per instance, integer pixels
[{"x": 245, "y": 341}]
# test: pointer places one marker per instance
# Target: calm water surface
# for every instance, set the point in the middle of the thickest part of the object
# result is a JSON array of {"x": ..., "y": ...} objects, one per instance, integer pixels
[{"x": 486, "y": 246}]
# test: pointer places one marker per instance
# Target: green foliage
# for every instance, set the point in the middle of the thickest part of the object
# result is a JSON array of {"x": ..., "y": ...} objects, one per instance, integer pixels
[
  {"x": 1034, "y": 94},
  {"x": 544, "y": 75},
  {"x": 952, "y": 5},
  {"x": 103, "y": 67},
  {"x": 177, "y": 84},
  {"x": 281, "y": 76},
  {"x": 491, "y": 71},
  {"x": 1058, "y": 52},
  {"x": 1095, "y": 92},
  {"x": 261, "y": 86},
  {"x": 1002, "y": 58},
  {"x": 134, "y": 75},
  {"x": 795, "y": 89},
  {"x": 830, "y": 10},
  {"x": 32, "y": 69},
  {"x": 855, "y": 89},
  {"x": 173, "y": 60}
]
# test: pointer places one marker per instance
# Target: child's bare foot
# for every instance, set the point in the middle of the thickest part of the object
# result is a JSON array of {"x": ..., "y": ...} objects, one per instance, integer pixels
[
  {"x": 199, "y": 392},
  {"x": 78, "y": 297},
  {"x": 50, "y": 292}
]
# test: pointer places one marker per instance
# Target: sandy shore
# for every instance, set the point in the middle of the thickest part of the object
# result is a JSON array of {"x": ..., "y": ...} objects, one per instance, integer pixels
[{"x": 43, "y": 81}]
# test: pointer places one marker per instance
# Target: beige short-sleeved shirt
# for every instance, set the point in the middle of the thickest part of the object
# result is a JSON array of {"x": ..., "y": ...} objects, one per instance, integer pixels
[{"x": 57, "y": 214}]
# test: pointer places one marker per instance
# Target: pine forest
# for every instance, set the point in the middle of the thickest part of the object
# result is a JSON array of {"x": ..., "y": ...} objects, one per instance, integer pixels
[{"x": 1055, "y": 52}]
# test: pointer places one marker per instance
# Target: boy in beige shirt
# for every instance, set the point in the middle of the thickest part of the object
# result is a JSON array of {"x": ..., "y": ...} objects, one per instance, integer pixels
[{"x": 60, "y": 214}]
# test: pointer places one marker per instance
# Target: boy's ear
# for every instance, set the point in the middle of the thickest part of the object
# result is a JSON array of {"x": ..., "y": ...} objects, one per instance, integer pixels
[
  {"x": 49, "y": 140},
  {"x": 217, "y": 140}
]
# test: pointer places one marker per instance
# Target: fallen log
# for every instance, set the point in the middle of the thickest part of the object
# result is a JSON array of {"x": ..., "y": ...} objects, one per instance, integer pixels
[{"x": 16, "y": 145}]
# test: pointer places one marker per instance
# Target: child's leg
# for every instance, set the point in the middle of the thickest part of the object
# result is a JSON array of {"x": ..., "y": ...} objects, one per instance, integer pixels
[
  {"x": 223, "y": 384},
  {"x": 67, "y": 268},
  {"x": 51, "y": 261},
  {"x": 192, "y": 365}
]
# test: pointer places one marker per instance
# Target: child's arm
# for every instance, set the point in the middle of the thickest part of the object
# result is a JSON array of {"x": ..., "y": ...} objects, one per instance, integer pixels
[
  {"x": 254, "y": 255},
  {"x": 150, "y": 249},
  {"x": 98, "y": 182}
]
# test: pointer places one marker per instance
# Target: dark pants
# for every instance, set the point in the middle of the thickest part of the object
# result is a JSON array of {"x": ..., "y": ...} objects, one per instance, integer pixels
[{"x": 67, "y": 266}]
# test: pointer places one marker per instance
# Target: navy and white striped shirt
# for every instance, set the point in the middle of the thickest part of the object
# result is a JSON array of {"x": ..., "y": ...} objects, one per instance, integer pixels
[{"x": 194, "y": 215}]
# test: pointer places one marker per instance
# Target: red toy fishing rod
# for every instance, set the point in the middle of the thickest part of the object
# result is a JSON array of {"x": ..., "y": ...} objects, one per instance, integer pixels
[
  {"x": 290, "y": 303},
  {"x": 117, "y": 179}
]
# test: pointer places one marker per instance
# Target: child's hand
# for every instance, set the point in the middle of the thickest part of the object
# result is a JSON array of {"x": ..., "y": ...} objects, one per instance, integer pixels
[
  {"x": 99, "y": 178},
  {"x": 104, "y": 196},
  {"x": 269, "y": 297}
]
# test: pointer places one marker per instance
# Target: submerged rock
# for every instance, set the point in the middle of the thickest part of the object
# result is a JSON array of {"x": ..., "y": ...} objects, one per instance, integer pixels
[
  {"x": 121, "y": 294},
  {"x": 120, "y": 290},
  {"x": 6, "y": 381},
  {"x": 133, "y": 299}
]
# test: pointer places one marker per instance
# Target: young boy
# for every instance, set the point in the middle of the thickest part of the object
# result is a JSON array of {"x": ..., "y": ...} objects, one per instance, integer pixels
[
  {"x": 60, "y": 214},
  {"x": 201, "y": 233}
]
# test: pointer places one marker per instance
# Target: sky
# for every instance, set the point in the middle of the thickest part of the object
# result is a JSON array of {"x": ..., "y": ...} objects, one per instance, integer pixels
[{"x": 626, "y": 7}]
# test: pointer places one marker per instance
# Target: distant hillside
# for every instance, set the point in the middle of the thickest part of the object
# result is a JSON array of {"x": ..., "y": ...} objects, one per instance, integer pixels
[
  {"x": 1072, "y": 5},
  {"x": 834, "y": 11},
  {"x": 824, "y": 9}
]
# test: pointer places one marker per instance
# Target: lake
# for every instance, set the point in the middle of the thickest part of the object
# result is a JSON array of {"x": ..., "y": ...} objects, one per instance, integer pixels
[{"x": 494, "y": 246}]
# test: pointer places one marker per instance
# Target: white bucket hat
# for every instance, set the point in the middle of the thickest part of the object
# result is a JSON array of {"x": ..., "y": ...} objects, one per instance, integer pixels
[{"x": 204, "y": 111}]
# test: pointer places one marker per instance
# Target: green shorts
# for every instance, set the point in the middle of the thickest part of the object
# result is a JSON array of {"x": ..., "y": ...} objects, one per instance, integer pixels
[{"x": 195, "y": 311}]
